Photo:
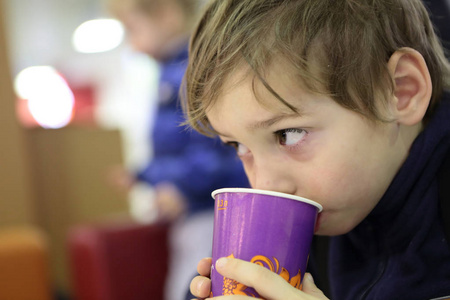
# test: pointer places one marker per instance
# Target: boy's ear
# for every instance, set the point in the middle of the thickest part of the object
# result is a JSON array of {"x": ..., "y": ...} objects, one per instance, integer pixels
[{"x": 412, "y": 86}]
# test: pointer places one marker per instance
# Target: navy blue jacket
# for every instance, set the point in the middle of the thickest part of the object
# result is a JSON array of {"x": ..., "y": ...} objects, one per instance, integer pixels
[
  {"x": 440, "y": 15},
  {"x": 194, "y": 163},
  {"x": 399, "y": 251}
]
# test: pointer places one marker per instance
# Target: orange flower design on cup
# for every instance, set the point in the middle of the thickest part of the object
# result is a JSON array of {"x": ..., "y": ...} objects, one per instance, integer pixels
[{"x": 232, "y": 287}]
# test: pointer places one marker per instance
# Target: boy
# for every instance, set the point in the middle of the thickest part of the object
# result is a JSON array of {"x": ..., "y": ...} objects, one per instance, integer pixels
[
  {"x": 342, "y": 102},
  {"x": 185, "y": 166}
]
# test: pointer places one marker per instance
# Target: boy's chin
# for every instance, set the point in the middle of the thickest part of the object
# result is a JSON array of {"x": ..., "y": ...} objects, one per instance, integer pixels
[{"x": 326, "y": 226}]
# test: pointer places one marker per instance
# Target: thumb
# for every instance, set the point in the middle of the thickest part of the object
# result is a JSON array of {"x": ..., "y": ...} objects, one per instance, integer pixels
[{"x": 310, "y": 288}]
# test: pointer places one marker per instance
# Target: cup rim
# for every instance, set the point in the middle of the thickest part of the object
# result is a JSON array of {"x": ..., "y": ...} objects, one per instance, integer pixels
[{"x": 266, "y": 192}]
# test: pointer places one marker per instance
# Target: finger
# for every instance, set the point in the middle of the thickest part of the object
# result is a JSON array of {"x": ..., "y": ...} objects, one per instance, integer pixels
[
  {"x": 204, "y": 266},
  {"x": 310, "y": 288},
  {"x": 200, "y": 287},
  {"x": 267, "y": 283}
]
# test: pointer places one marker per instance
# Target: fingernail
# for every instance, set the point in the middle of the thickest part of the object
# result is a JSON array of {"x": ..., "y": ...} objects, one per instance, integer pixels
[
  {"x": 309, "y": 277},
  {"x": 199, "y": 285},
  {"x": 221, "y": 262}
]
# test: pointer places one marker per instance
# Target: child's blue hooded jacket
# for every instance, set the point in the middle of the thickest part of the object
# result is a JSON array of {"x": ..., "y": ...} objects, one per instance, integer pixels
[{"x": 196, "y": 164}]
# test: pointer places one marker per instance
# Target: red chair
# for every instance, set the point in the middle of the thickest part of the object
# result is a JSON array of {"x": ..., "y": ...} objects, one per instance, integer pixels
[{"x": 118, "y": 261}]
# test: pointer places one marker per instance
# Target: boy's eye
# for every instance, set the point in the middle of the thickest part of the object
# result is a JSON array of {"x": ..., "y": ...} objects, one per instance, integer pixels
[
  {"x": 290, "y": 137},
  {"x": 240, "y": 149}
]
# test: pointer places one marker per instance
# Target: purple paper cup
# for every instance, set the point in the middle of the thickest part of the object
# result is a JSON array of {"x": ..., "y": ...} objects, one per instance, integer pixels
[{"x": 268, "y": 228}]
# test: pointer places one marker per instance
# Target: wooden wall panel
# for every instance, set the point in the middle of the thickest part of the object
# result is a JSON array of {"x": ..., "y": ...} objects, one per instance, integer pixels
[
  {"x": 70, "y": 170},
  {"x": 15, "y": 192}
]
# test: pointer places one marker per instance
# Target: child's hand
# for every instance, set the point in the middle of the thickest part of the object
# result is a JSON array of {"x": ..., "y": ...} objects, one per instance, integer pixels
[
  {"x": 268, "y": 284},
  {"x": 120, "y": 178},
  {"x": 170, "y": 202}
]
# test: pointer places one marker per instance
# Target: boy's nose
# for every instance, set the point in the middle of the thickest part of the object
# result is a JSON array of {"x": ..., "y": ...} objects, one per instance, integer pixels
[{"x": 272, "y": 176}]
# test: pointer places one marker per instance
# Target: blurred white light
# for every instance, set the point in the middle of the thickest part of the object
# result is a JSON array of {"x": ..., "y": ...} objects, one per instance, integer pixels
[
  {"x": 50, "y": 99},
  {"x": 98, "y": 36}
]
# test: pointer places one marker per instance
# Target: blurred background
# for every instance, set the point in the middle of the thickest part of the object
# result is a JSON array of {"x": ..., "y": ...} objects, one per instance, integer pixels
[
  {"x": 75, "y": 101},
  {"x": 73, "y": 37}
]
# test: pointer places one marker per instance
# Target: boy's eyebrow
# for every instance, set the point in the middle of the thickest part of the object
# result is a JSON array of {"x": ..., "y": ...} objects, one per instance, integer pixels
[
  {"x": 263, "y": 124},
  {"x": 269, "y": 122}
]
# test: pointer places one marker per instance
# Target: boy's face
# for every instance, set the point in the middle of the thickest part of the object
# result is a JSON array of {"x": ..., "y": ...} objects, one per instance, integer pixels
[
  {"x": 152, "y": 35},
  {"x": 325, "y": 153}
]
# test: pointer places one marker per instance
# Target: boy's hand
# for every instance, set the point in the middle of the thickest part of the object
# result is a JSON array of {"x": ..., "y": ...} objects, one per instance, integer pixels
[
  {"x": 268, "y": 284},
  {"x": 201, "y": 285}
]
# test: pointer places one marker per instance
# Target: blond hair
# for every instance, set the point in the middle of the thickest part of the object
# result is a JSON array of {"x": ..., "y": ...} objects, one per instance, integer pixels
[{"x": 339, "y": 48}]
